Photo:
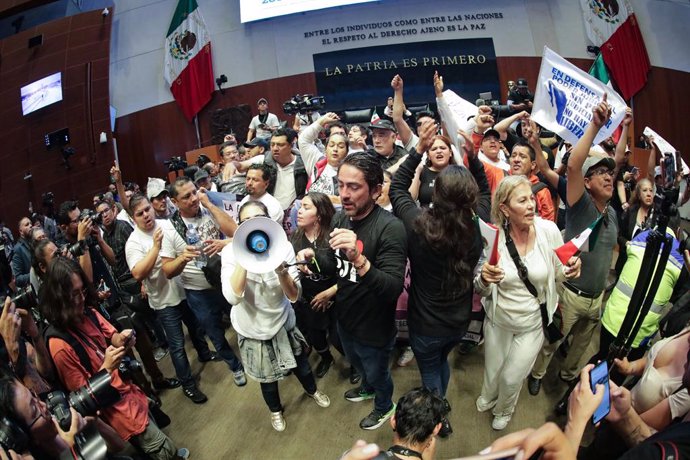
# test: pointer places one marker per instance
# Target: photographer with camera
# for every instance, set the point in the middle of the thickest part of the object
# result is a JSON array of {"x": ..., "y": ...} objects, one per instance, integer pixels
[
  {"x": 92, "y": 250},
  {"x": 23, "y": 350},
  {"x": 82, "y": 343},
  {"x": 263, "y": 124},
  {"x": 27, "y": 424}
]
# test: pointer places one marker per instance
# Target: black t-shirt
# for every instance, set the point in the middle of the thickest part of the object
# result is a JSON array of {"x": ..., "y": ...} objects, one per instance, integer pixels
[
  {"x": 365, "y": 306},
  {"x": 519, "y": 98},
  {"x": 326, "y": 261},
  {"x": 426, "y": 186}
]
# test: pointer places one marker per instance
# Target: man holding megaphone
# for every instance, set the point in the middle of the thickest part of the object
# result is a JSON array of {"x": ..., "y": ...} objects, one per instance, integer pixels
[{"x": 260, "y": 280}]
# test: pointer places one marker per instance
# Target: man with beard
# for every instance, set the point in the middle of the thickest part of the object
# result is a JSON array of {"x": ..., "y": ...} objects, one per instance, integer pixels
[
  {"x": 257, "y": 182},
  {"x": 370, "y": 246},
  {"x": 21, "y": 259},
  {"x": 589, "y": 189}
]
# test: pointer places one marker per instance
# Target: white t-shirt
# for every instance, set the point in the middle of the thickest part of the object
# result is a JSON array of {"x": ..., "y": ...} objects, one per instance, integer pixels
[
  {"x": 173, "y": 245},
  {"x": 262, "y": 309},
  {"x": 124, "y": 217},
  {"x": 275, "y": 211},
  {"x": 285, "y": 185},
  {"x": 161, "y": 291},
  {"x": 271, "y": 120}
]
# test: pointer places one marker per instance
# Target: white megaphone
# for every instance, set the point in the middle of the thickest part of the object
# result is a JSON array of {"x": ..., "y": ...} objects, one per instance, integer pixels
[{"x": 260, "y": 245}]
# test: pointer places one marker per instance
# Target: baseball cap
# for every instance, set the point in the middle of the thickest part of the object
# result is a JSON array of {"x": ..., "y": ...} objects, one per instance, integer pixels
[
  {"x": 491, "y": 133},
  {"x": 155, "y": 187},
  {"x": 261, "y": 99},
  {"x": 522, "y": 82},
  {"x": 199, "y": 175},
  {"x": 257, "y": 141},
  {"x": 382, "y": 123},
  {"x": 594, "y": 161}
]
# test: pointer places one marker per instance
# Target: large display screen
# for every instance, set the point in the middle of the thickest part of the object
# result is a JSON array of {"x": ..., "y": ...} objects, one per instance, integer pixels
[
  {"x": 255, "y": 10},
  {"x": 41, "y": 93}
]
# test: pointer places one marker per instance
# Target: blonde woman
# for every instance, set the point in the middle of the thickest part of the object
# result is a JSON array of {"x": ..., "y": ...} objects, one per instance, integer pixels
[{"x": 514, "y": 329}]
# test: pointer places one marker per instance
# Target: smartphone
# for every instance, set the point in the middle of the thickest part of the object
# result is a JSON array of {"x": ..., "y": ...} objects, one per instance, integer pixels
[
  {"x": 634, "y": 170},
  {"x": 600, "y": 375},
  {"x": 508, "y": 454}
]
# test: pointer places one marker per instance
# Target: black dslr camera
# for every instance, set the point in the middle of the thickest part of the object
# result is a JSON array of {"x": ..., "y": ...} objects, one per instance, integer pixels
[
  {"x": 175, "y": 164},
  {"x": 25, "y": 298},
  {"x": 96, "y": 394},
  {"x": 128, "y": 367},
  {"x": 95, "y": 217},
  {"x": 77, "y": 249}
]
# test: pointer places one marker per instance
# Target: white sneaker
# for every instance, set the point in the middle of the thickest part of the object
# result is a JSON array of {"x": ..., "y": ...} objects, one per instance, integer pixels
[
  {"x": 278, "y": 421},
  {"x": 500, "y": 422},
  {"x": 320, "y": 398},
  {"x": 239, "y": 378},
  {"x": 484, "y": 405},
  {"x": 406, "y": 357},
  {"x": 183, "y": 453}
]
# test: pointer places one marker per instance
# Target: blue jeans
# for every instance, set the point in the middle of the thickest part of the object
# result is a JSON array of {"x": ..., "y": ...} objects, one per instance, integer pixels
[
  {"x": 431, "y": 354},
  {"x": 373, "y": 365},
  {"x": 208, "y": 307},
  {"x": 171, "y": 318}
]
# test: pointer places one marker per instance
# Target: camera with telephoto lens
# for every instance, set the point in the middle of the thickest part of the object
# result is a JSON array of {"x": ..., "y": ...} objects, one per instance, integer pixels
[
  {"x": 25, "y": 298},
  {"x": 175, "y": 164},
  {"x": 95, "y": 217},
  {"x": 128, "y": 367},
  {"x": 12, "y": 436},
  {"x": 96, "y": 394},
  {"x": 77, "y": 249},
  {"x": 303, "y": 104}
]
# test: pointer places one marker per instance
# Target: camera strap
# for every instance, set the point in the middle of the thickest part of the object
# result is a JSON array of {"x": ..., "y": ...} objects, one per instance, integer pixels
[{"x": 402, "y": 450}]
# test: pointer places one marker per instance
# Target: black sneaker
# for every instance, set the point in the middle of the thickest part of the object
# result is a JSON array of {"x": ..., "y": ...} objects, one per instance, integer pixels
[
  {"x": 375, "y": 419},
  {"x": 446, "y": 406},
  {"x": 195, "y": 394},
  {"x": 211, "y": 357},
  {"x": 323, "y": 366},
  {"x": 359, "y": 394},
  {"x": 533, "y": 385},
  {"x": 167, "y": 384}
]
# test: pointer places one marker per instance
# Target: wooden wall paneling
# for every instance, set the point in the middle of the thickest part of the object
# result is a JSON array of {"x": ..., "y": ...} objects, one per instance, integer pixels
[{"x": 69, "y": 44}]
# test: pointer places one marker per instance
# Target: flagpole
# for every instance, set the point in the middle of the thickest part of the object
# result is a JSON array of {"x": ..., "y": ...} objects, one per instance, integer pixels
[{"x": 196, "y": 126}]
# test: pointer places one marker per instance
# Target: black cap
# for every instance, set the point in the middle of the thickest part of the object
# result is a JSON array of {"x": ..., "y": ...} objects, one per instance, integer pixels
[
  {"x": 382, "y": 123},
  {"x": 491, "y": 132},
  {"x": 522, "y": 82},
  {"x": 257, "y": 141}
]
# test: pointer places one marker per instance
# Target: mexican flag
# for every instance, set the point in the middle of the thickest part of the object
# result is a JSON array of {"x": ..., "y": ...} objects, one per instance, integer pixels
[
  {"x": 612, "y": 26},
  {"x": 599, "y": 70},
  {"x": 584, "y": 242},
  {"x": 188, "y": 67}
]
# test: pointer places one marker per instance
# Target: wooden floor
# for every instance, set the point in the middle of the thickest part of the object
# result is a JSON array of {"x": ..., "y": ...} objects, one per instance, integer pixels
[{"x": 235, "y": 422}]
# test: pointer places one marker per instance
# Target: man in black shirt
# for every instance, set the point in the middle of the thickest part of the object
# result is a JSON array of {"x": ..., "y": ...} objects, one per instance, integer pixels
[
  {"x": 370, "y": 246},
  {"x": 521, "y": 98}
]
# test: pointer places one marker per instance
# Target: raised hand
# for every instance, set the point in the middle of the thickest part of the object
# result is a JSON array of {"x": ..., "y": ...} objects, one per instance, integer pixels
[
  {"x": 438, "y": 84},
  {"x": 601, "y": 112},
  {"x": 397, "y": 83}
]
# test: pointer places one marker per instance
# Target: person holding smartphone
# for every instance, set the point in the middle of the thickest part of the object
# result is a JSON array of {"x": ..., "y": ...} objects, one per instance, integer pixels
[{"x": 93, "y": 344}]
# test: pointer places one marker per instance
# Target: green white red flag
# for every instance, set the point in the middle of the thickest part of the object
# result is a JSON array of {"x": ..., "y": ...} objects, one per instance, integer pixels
[
  {"x": 188, "y": 65},
  {"x": 584, "y": 242},
  {"x": 612, "y": 26}
]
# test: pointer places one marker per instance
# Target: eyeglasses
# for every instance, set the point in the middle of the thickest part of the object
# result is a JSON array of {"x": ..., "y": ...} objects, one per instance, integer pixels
[
  {"x": 35, "y": 402},
  {"x": 600, "y": 172},
  {"x": 75, "y": 295}
]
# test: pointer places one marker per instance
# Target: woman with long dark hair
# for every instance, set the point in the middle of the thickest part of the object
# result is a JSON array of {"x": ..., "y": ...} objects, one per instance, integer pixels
[
  {"x": 313, "y": 309},
  {"x": 67, "y": 299},
  {"x": 443, "y": 247},
  {"x": 438, "y": 157}
]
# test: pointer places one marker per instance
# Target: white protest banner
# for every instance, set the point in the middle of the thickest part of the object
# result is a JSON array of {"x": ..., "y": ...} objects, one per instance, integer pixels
[
  {"x": 664, "y": 146},
  {"x": 461, "y": 108},
  {"x": 565, "y": 96}
]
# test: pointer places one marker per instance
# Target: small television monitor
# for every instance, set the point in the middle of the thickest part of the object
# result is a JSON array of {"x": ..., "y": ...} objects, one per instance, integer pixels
[{"x": 41, "y": 93}]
